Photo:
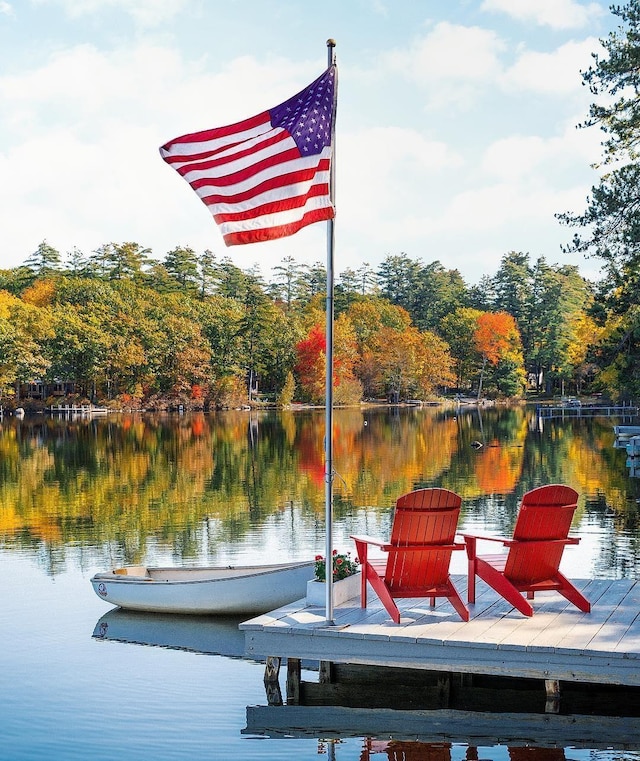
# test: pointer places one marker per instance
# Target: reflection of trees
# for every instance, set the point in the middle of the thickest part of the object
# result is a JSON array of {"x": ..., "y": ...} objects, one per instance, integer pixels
[{"x": 190, "y": 485}]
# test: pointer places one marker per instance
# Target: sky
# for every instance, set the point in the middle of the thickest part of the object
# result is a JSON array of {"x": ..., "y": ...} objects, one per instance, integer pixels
[{"x": 456, "y": 132}]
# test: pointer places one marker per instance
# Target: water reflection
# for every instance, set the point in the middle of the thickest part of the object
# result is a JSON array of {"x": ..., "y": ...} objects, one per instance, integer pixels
[
  {"x": 399, "y": 750},
  {"x": 127, "y": 489},
  {"x": 406, "y": 735},
  {"x": 196, "y": 634}
]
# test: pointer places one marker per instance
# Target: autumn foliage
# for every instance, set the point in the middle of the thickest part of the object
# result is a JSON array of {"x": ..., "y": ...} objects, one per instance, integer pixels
[
  {"x": 496, "y": 333},
  {"x": 311, "y": 363}
]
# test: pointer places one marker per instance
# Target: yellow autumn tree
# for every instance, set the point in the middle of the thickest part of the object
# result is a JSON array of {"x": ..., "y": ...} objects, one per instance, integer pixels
[
  {"x": 22, "y": 327},
  {"x": 411, "y": 363},
  {"x": 40, "y": 293},
  {"x": 584, "y": 333}
]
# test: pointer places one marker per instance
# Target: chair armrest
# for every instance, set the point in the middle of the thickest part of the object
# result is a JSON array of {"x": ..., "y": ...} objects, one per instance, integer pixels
[
  {"x": 368, "y": 540},
  {"x": 470, "y": 543},
  {"x": 424, "y": 547},
  {"x": 483, "y": 538},
  {"x": 471, "y": 540}
]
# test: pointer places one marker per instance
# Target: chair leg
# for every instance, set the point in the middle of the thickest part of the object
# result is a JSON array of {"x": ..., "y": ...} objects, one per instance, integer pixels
[
  {"x": 470, "y": 545},
  {"x": 568, "y": 591},
  {"x": 503, "y": 586},
  {"x": 361, "y": 550},
  {"x": 363, "y": 586},
  {"x": 380, "y": 588},
  {"x": 455, "y": 599}
]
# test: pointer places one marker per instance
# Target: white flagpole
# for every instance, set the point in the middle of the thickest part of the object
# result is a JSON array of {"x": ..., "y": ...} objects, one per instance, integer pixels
[{"x": 328, "y": 432}]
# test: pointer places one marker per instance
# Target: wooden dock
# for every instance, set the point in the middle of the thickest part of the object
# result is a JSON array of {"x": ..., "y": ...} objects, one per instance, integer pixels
[
  {"x": 563, "y": 411},
  {"x": 77, "y": 409},
  {"x": 558, "y": 643}
]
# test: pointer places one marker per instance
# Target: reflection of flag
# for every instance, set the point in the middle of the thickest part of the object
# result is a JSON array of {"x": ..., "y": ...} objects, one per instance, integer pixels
[{"x": 268, "y": 176}]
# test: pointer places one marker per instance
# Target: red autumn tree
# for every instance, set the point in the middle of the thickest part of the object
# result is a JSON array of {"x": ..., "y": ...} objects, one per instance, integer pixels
[{"x": 311, "y": 363}]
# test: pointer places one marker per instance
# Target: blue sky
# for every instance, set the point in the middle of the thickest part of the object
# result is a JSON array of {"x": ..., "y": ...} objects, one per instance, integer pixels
[{"x": 456, "y": 130}]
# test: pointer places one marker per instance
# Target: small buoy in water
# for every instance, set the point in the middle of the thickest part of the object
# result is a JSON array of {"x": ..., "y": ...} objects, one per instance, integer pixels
[
  {"x": 476, "y": 444},
  {"x": 365, "y": 422}
]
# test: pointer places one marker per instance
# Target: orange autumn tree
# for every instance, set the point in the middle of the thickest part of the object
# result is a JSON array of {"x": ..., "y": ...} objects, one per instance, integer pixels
[{"x": 497, "y": 339}]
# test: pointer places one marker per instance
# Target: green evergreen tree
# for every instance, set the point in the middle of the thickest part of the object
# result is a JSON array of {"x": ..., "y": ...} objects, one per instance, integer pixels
[
  {"x": 44, "y": 261},
  {"x": 609, "y": 228}
]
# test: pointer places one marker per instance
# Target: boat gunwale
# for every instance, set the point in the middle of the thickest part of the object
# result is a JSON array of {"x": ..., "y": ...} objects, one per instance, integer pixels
[{"x": 250, "y": 572}]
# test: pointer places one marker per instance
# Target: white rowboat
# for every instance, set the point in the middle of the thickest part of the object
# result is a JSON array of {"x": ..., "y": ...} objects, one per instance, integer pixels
[{"x": 205, "y": 591}]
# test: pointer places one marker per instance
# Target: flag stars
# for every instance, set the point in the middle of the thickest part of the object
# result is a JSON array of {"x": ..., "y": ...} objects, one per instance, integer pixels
[{"x": 307, "y": 116}]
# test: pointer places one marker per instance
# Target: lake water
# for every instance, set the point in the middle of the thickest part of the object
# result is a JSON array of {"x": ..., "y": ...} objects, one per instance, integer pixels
[{"x": 78, "y": 496}]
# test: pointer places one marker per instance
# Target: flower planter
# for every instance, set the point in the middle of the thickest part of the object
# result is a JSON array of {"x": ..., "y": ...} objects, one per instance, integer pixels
[{"x": 343, "y": 590}]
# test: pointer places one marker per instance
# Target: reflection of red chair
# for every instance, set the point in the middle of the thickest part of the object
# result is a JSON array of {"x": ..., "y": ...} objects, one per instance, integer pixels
[
  {"x": 399, "y": 750},
  {"x": 533, "y": 753},
  {"x": 419, "y": 552},
  {"x": 406, "y": 750},
  {"x": 531, "y": 564}
]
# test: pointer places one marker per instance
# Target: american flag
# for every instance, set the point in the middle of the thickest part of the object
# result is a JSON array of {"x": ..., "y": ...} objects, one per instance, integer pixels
[{"x": 267, "y": 176}]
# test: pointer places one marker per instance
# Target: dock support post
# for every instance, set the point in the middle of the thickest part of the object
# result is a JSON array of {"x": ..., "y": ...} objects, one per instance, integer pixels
[
  {"x": 271, "y": 680},
  {"x": 552, "y": 688},
  {"x": 294, "y": 674},
  {"x": 325, "y": 672}
]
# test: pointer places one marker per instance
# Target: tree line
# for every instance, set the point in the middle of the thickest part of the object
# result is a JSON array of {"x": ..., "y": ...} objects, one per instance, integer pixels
[
  {"x": 129, "y": 327},
  {"x": 200, "y": 331}
]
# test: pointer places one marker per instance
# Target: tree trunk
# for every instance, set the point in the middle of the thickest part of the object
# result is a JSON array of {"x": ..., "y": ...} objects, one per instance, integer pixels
[{"x": 484, "y": 364}]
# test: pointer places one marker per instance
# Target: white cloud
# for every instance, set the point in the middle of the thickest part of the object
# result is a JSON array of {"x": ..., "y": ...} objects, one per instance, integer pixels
[
  {"x": 145, "y": 84},
  {"x": 518, "y": 158},
  {"x": 452, "y": 63},
  {"x": 6, "y": 9},
  {"x": 558, "y": 14},
  {"x": 555, "y": 73},
  {"x": 377, "y": 181},
  {"x": 143, "y": 12},
  {"x": 457, "y": 65}
]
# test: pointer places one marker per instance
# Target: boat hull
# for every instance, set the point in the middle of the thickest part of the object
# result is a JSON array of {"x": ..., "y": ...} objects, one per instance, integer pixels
[{"x": 204, "y": 591}]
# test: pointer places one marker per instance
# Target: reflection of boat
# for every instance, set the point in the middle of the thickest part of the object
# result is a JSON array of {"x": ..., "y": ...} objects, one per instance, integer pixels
[
  {"x": 196, "y": 634},
  {"x": 223, "y": 590}
]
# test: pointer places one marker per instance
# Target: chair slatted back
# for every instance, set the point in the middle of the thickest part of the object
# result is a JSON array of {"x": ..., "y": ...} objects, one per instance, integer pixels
[
  {"x": 422, "y": 517},
  {"x": 541, "y": 530}
]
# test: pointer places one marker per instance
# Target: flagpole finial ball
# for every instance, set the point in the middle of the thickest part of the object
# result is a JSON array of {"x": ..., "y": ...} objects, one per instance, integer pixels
[{"x": 331, "y": 43}]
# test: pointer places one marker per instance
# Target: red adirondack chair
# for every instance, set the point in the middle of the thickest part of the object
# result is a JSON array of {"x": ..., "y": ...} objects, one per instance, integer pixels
[
  {"x": 532, "y": 561},
  {"x": 419, "y": 552}
]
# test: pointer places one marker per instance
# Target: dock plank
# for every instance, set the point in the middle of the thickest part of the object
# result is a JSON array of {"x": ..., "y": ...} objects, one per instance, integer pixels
[
  {"x": 622, "y": 630},
  {"x": 580, "y": 636}
]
